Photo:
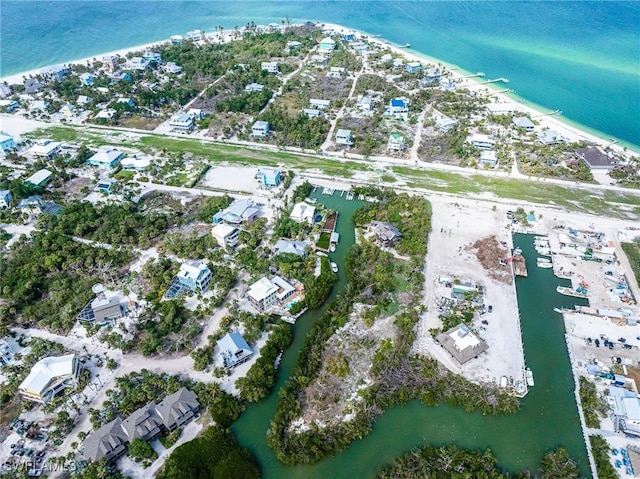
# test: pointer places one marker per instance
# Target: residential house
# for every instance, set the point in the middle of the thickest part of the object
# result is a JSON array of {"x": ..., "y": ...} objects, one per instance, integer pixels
[
  {"x": 137, "y": 63},
  {"x": 5, "y": 198},
  {"x": 312, "y": 113},
  {"x": 413, "y": 67},
  {"x": 270, "y": 67},
  {"x": 126, "y": 101},
  {"x": 549, "y": 137},
  {"x": 348, "y": 36},
  {"x": 488, "y": 158},
  {"x": 32, "y": 85},
  {"x": 57, "y": 73},
  {"x": 386, "y": 58},
  {"x": 360, "y": 47},
  {"x": 87, "y": 78},
  {"x": 482, "y": 141},
  {"x": 195, "y": 35},
  {"x": 253, "y": 87},
  {"x": 102, "y": 309},
  {"x": 396, "y": 142},
  {"x": 5, "y": 90},
  {"x": 8, "y": 106},
  {"x": 111, "y": 63},
  {"x": 196, "y": 113},
  {"x": 45, "y": 148},
  {"x": 49, "y": 377},
  {"x": 6, "y": 353},
  {"x": 337, "y": 72},
  {"x": 68, "y": 110},
  {"x": 462, "y": 344},
  {"x": 182, "y": 123},
  {"x": 120, "y": 76},
  {"x": 84, "y": 100},
  {"x": 30, "y": 205},
  {"x": 178, "y": 408},
  {"x": 7, "y": 143},
  {"x": 144, "y": 423},
  {"x": 447, "y": 84},
  {"x": 365, "y": 103},
  {"x": 523, "y": 122},
  {"x": 318, "y": 60},
  {"x": 444, "y": 124},
  {"x": 40, "y": 177},
  {"x": 327, "y": 45},
  {"x": 39, "y": 105},
  {"x": 194, "y": 276},
  {"x": 398, "y": 63},
  {"x": 266, "y": 292},
  {"x": 152, "y": 57},
  {"x": 500, "y": 108},
  {"x": 109, "y": 442},
  {"x": 105, "y": 185},
  {"x": 269, "y": 177},
  {"x": 233, "y": 350},
  {"x": 320, "y": 104},
  {"x": 176, "y": 39},
  {"x": 171, "y": 67},
  {"x": 290, "y": 247},
  {"x": 343, "y": 137},
  {"x": 107, "y": 158},
  {"x": 225, "y": 235},
  {"x": 133, "y": 163},
  {"x": 260, "y": 128},
  {"x": 595, "y": 158},
  {"x": 399, "y": 106},
  {"x": 432, "y": 75},
  {"x": 105, "y": 114},
  {"x": 293, "y": 45},
  {"x": 303, "y": 213},
  {"x": 385, "y": 233},
  {"x": 239, "y": 211}
]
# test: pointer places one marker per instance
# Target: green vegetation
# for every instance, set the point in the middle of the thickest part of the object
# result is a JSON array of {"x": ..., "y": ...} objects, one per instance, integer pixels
[
  {"x": 601, "y": 449},
  {"x": 632, "y": 250},
  {"x": 593, "y": 404},
  {"x": 140, "y": 450},
  {"x": 214, "y": 454},
  {"x": 323, "y": 241},
  {"x": 302, "y": 192},
  {"x": 169, "y": 439},
  {"x": 262, "y": 376}
]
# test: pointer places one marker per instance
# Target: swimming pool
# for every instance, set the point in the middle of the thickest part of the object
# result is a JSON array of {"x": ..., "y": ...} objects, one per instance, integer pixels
[{"x": 291, "y": 303}]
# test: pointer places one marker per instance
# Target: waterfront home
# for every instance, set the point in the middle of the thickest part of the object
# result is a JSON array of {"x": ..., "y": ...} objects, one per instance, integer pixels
[
  {"x": 108, "y": 441},
  {"x": 195, "y": 35},
  {"x": 5, "y": 90},
  {"x": 399, "y": 106},
  {"x": 136, "y": 63},
  {"x": 105, "y": 185},
  {"x": 253, "y": 87},
  {"x": 269, "y": 177},
  {"x": 171, "y": 67},
  {"x": 385, "y": 233},
  {"x": 312, "y": 113},
  {"x": 119, "y": 76},
  {"x": 398, "y": 63},
  {"x": 482, "y": 141},
  {"x": 523, "y": 122},
  {"x": 240, "y": 211},
  {"x": 84, "y": 100},
  {"x": 626, "y": 409},
  {"x": 144, "y": 423},
  {"x": 396, "y": 142},
  {"x": 39, "y": 105},
  {"x": 266, "y": 292},
  {"x": 595, "y": 158},
  {"x": 488, "y": 158},
  {"x": 225, "y": 235},
  {"x": 432, "y": 75},
  {"x": 269, "y": 67},
  {"x": 106, "y": 157},
  {"x": 5, "y": 198},
  {"x": 298, "y": 248},
  {"x": 87, "y": 78},
  {"x": 319, "y": 103},
  {"x": 447, "y": 84},
  {"x": 40, "y": 177},
  {"x": 413, "y": 67},
  {"x": 365, "y": 103},
  {"x": 386, "y": 58},
  {"x": 111, "y": 63},
  {"x": 444, "y": 124},
  {"x": 303, "y": 213},
  {"x": 102, "y": 309},
  {"x": 176, "y": 39},
  {"x": 462, "y": 344},
  {"x": 349, "y": 36},
  {"x": 49, "y": 377},
  {"x": 152, "y": 57},
  {"x": 132, "y": 163},
  {"x": 182, "y": 123},
  {"x": 233, "y": 350},
  {"x": 56, "y": 73},
  {"x": 500, "y": 108},
  {"x": 343, "y": 137},
  {"x": 327, "y": 45},
  {"x": 178, "y": 408},
  {"x": 8, "y": 106},
  {"x": 32, "y": 85},
  {"x": 260, "y": 128},
  {"x": 360, "y": 47},
  {"x": 549, "y": 137},
  {"x": 7, "y": 143}
]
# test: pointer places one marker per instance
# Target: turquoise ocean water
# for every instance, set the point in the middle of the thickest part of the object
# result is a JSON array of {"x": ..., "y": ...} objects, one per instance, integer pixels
[{"x": 576, "y": 56}]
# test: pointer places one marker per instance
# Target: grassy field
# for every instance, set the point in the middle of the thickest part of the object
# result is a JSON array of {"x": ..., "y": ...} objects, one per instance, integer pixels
[{"x": 613, "y": 204}]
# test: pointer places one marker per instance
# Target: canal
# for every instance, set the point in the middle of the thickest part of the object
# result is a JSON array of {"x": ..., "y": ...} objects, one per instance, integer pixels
[{"x": 548, "y": 417}]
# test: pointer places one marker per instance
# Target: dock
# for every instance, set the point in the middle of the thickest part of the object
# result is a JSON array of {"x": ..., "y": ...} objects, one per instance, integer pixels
[
  {"x": 328, "y": 191},
  {"x": 520, "y": 267}
]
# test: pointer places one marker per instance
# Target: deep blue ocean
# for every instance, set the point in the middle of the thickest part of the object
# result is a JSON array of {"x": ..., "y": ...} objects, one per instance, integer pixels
[{"x": 576, "y": 56}]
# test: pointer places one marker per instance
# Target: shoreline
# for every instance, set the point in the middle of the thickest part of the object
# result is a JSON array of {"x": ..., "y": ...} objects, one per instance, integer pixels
[{"x": 569, "y": 129}]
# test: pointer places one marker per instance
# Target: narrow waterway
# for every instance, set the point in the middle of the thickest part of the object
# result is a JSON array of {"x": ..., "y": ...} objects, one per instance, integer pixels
[{"x": 548, "y": 417}]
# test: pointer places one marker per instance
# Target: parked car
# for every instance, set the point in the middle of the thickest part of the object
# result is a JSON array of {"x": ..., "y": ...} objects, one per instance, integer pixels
[{"x": 490, "y": 309}]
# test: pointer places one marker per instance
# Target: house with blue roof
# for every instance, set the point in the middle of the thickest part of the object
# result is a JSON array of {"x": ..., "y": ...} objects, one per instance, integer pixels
[
  {"x": 105, "y": 185},
  {"x": 269, "y": 177},
  {"x": 233, "y": 350},
  {"x": 87, "y": 78},
  {"x": 399, "y": 106}
]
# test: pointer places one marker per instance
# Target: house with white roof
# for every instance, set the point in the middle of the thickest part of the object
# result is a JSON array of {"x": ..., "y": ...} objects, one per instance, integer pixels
[
  {"x": 45, "y": 148},
  {"x": 106, "y": 158},
  {"x": 500, "y": 108},
  {"x": 260, "y": 128},
  {"x": 343, "y": 137},
  {"x": 106, "y": 114},
  {"x": 132, "y": 163},
  {"x": 549, "y": 137},
  {"x": 318, "y": 60},
  {"x": 444, "y": 123},
  {"x": 39, "y": 105},
  {"x": 327, "y": 45},
  {"x": 303, "y": 213},
  {"x": 195, "y": 35},
  {"x": 365, "y": 103},
  {"x": 413, "y": 67},
  {"x": 126, "y": 101},
  {"x": 68, "y": 110},
  {"x": 482, "y": 141},
  {"x": 50, "y": 376},
  {"x": 290, "y": 247},
  {"x": 270, "y": 67},
  {"x": 396, "y": 142},
  {"x": 226, "y": 235},
  {"x": 523, "y": 122},
  {"x": 182, "y": 123},
  {"x": 171, "y": 67},
  {"x": 319, "y": 103},
  {"x": 40, "y": 177},
  {"x": 83, "y": 100},
  {"x": 5, "y": 90},
  {"x": 87, "y": 78},
  {"x": 137, "y": 63},
  {"x": 253, "y": 87},
  {"x": 111, "y": 63},
  {"x": 233, "y": 350},
  {"x": 312, "y": 113},
  {"x": 488, "y": 158},
  {"x": 626, "y": 409},
  {"x": 266, "y": 292},
  {"x": 240, "y": 211},
  {"x": 56, "y": 73}
]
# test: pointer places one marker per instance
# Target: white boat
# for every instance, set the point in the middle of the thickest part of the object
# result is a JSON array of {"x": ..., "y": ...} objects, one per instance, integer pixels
[
  {"x": 544, "y": 263},
  {"x": 517, "y": 252},
  {"x": 544, "y": 251},
  {"x": 334, "y": 267},
  {"x": 529, "y": 376},
  {"x": 320, "y": 253},
  {"x": 503, "y": 382},
  {"x": 332, "y": 247},
  {"x": 276, "y": 363}
]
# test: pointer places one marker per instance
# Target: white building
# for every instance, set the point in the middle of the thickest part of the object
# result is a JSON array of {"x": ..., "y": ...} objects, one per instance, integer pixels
[
  {"x": 260, "y": 128},
  {"x": 225, "y": 235},
  {"x": 488, "y": 158},
  {"x": 327, "y": 45},
  {"x": 266, "y": 292},
  {"x": 195, "y": 275},
  {"x": 523, "y": 122},
  {"x": 396, "y": 142},
  {"x": 173, "y": 68},
  {"x": 303, "y": 213},
  {"x": 312, "y": 113},
  {"x": 270, "y": 67},
  {"x": 182, "y": 123},
  {"x": 45, "y": 148},
  {"x": 444, "y": 123},
  {"x": 482, "y": 141},
  {"x": 365, "y": 103},
  {"x": 50, "y": 376},
  {"x": 343, "y": 137},
  {"x": 500, "y": 108},
  {"x": 137, "y": 63},
  {"x": 253, "y": 87},
  {"x": 233, "y": 350},
  {"x": 550, "y": 137},
  {"x": 320, "y": 104},
  {"x": 40, "y": 177}
]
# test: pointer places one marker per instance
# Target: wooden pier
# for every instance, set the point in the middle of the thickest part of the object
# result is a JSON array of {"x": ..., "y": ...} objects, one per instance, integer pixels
[{"x": 520, "y": 267}]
